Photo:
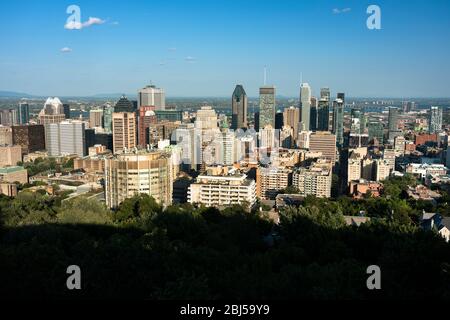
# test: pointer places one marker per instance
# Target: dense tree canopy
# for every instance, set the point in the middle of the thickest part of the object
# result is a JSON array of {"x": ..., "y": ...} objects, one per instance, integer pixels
[{"x": 143, "y": 250}]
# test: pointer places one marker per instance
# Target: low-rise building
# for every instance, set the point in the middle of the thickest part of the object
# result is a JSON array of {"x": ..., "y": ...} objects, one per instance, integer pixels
[
  {"x": 14, "y": 174},
  {"x": 223, "y": 189},
  {"x": 360, "y": 188},
  {"x": 10, "y": 155}
]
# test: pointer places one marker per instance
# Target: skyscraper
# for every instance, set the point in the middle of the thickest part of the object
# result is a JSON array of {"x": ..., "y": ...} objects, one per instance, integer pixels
[
  {"x": 147, "y": 117},
  {"x": 96, "y": 118},
  {"x": 323, "y": 115},
  {"x": 65, "y": 138},
  {"x": 313, "y": 118},
  {"x": 30, "y": 137},
  {"x": 323, "y": 142},
  {"x": 435, "y": 121},
  {"x": 305, "y": 107},
  {"x": 124, "y": 105},
  {"x": 23, "y": 113},
  {"x": 66, "y": 110},
  {"x": 108, "y": 111},
  {"x": 338, "y": 121},
  {"x": 291, "y": 118},
  {"x": 376, "y": 131},
  {"x": 393, "y": 119},
  {"x": 124, "y": 131},
  {"x": 325, "y": 94},
  {"x": 266, "y": 106},
  {"x": 152, "y": 96},
  {"x": 239, "y": 108},
  {"x": 53, "y": 112}
]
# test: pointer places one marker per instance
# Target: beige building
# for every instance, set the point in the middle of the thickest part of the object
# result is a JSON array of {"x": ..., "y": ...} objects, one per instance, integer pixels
[
  {"x": 96, "y": 118},
  {"x": 6, "y": 137},
  {"x": 13, "y": 174},
  {"x": 291, "y": 118},
  {"x": 10, "y": 155},
  {"x": 89, "y": 164},
  {"x": 382, "y": 170},
  {"x": 314, "y": 180},
  {"x": 8, "y": 189},
  {"x": 140, "y": 172},
  {"x": 269, "y": 181},
  {"x": 354, "y": 169},
  {"x": 323, "y": 142},
  {"x": 124, "y": 131},
  {"x": 223, "y": 189}
]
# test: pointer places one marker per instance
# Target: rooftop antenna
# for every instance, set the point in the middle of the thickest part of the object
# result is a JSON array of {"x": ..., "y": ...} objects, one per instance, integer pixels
[
  {"x": 265, "y": 75},
  {"x": 301, "y": 78}
]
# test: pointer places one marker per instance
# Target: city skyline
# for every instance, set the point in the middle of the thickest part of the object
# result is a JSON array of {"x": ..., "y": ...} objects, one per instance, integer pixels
[{"x": 216, "y": 47}]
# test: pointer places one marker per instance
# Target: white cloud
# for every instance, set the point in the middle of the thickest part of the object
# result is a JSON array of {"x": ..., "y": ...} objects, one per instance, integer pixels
[
  {"x": 66, "y": 50},
  {"x": 190, "y": 59},
  {"x": 338, "y": 11},
  {"x": 115, "y": 23},
  {"x": 172, "y": 49},
  {"x": 93, "y": 20},
  {"x": 74, "y": 25}
]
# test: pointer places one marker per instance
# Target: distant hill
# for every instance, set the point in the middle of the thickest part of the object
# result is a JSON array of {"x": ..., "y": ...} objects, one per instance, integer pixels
[{"x": 13, "y": 94}]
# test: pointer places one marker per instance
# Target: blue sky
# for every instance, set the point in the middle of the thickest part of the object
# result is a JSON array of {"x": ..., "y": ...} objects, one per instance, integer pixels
[{"x": 204, "y": 48}]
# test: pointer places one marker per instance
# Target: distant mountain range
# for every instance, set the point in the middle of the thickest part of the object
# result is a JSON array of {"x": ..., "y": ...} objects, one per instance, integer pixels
[
  {"x": 18, "y": 95},
  {"x": 12, "y": 94}
]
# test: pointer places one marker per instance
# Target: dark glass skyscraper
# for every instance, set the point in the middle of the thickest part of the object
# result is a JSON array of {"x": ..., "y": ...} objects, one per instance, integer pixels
[
  {"x": 393, "y": 119},
  {"x": 323, "y": 115},
  {"x": 313, "y": 117},
  {"x": 124, "y": 105},
  {"x": 23, "y": 113},
  {"x": 338, "y": 121},
  {"x": 239, "y": 108},
  {"x": 66, "y": 110}
]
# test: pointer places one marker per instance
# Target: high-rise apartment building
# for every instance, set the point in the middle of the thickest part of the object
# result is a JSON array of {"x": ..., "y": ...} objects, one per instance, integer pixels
[
  {"x": 152, "y": 96},
  {"x": 267, "y": 106},
  {"x": 65, "y": 138},
  {"x": 305, "y": 107},
  {"x": 435, "y": 120},
  {"x": 270, "y": 181},
  {"x": 141, "y": 172},
  {"x": 239, "y": 106},
  {"x": 124, "y": 131},
  {"x": 323, "y": 142},
  {"x": 382, "y": 169},
  {"x": 314, "y": 180}
]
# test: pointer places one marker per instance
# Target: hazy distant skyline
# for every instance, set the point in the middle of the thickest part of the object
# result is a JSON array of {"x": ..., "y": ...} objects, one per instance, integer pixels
[{"x": 204, "y": 48}]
